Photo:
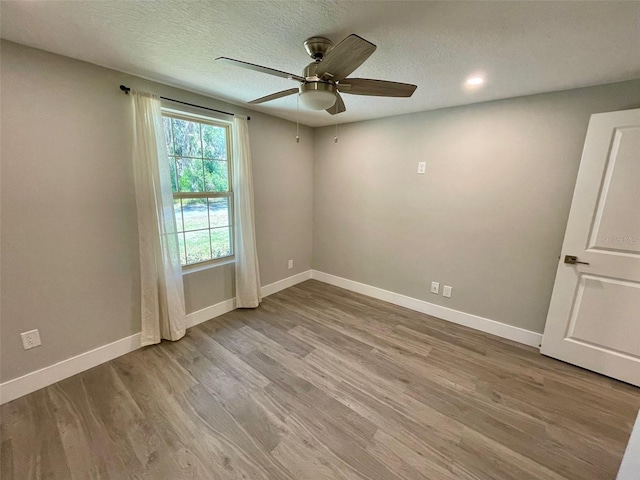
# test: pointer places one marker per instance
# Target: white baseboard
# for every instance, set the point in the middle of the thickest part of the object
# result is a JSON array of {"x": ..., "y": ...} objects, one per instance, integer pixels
[
  {"x": 498, "y": 329},
  {"x": 285, "y": 283},
  {"x": 208, "y": 313},
  {"x": 46, "y": 376},
  {"x": 67, "y": 368}
]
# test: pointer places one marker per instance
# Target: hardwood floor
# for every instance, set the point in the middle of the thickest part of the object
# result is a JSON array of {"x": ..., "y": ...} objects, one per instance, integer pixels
[{"x": 322, "y": 383}]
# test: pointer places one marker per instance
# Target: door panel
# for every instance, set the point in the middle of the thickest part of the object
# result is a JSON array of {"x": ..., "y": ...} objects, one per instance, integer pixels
[
  {"x": 619, "y": 198},
  {"x": 594, "y": 315},
  {"x": 601, "y": 300}
]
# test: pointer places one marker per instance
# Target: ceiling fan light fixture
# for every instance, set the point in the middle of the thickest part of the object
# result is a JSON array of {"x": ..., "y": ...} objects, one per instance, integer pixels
[{"x": 318, "y": 95}]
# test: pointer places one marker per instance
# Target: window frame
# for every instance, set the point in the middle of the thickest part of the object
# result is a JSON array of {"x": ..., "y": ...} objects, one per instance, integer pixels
[{"x": 178, "y": 195}]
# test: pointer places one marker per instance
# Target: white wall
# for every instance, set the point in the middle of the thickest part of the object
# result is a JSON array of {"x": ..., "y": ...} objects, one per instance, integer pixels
[
  {"x": 69, "y": 262},
  {"x": 488, "y": 217}
]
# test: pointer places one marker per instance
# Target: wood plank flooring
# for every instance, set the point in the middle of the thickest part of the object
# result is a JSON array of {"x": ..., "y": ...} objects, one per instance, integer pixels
[{"x": 322, "y": 383}]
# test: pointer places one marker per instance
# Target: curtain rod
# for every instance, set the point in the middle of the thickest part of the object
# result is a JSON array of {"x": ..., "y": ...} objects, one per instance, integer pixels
[{"x": 126, "y": 90}]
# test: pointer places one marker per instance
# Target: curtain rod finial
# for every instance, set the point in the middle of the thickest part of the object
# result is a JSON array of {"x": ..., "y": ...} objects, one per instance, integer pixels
[{"x": 125, "y": 89}]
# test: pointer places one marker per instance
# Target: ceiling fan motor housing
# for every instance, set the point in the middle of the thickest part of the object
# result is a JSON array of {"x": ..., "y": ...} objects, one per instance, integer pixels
[
  {"x": 317, "y": 47},
  {"x": 309, "y": 72}
]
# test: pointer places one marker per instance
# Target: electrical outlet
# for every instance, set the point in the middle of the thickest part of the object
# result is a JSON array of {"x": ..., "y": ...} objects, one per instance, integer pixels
[
  {"x": 446, "y": 291},
  {"x": 422, "y": 168},
  {"x": 290, "y": 264},
  {"x": 435, "y": 287},
  {"x": 30, "y": 339}
]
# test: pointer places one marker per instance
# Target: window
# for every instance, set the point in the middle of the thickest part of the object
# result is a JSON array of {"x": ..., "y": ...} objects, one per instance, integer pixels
[{"x": 199, "y": 162}]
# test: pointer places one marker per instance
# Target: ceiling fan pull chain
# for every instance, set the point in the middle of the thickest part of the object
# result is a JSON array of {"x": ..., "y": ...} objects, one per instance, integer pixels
[
  {"x": 297, "y": 118},
  {"x": 335, "y": 139}
]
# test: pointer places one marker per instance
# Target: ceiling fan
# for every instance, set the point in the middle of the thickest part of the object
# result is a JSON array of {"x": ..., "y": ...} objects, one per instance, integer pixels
[{"x": 325, "y": 78}]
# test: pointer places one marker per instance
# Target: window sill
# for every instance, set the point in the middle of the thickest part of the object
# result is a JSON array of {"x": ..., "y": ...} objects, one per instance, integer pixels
[{"x": 206, "y": 266}]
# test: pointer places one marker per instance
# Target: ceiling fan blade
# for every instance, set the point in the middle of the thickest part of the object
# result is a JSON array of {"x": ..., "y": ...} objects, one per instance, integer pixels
[
  {"x": 259, "y": 68},
  {"x": 337, "y": 107},
  {"x": 273, "y": 96},
  {"x": 379, "y": 88},
  {"x": 345, "y": 57}
]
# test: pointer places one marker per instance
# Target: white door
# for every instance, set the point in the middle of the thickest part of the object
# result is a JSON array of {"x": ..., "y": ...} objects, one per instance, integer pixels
[{"x": 594, "y": 316}]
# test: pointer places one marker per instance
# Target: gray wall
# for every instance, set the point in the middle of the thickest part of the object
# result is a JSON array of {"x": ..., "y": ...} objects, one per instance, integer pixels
[
  {"x": 69, "y": 262},
  {"x": 488, "y": 217}
]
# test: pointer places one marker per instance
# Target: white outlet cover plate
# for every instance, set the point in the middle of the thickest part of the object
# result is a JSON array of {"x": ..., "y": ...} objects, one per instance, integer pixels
[
  {"x": 446, "y": 291},
  {"x": 31, "y": 339},
  {"x": 435, "y": 287},
  {"x": 422, "y": 167}
]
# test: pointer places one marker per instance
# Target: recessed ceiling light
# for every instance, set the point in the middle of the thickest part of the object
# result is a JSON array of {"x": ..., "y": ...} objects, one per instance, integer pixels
[{"x": 474, "y": 81}]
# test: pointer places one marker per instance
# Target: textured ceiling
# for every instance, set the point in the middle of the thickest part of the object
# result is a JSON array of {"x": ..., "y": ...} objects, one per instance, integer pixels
[{"x": 520, "y": 47}]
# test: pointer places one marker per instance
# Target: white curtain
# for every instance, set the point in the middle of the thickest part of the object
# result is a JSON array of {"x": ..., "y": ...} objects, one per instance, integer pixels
[
  {"x": 163, "y": 312},
  {"x": 246, "y": 256}
]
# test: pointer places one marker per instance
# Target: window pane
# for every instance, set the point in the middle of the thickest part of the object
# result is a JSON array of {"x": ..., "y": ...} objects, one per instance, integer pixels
[
  {"x": 214, "y": 141},
  {"x": 183, "y": 257},
  {"x": 198, "y": 163},
  {"x": 186, "y": 139},
  {"x": 190, "y": 175},
  {"x": 194, "y": 211},
  {"x": 198, "y": 246},
  {"x": 221, "y": 242},
  {"x": 167, "y": 134},
  {"x": 172, "y": 170},
  {"x": 219, "y": 212},
  {"x": 216, "y": 176},
  {"x": 177, "y": 208}
]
